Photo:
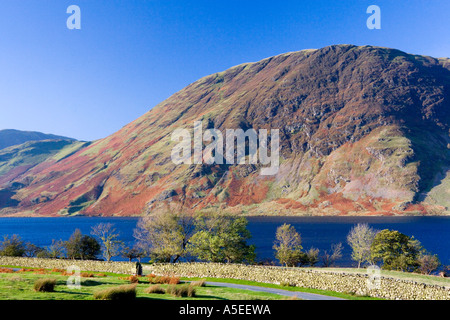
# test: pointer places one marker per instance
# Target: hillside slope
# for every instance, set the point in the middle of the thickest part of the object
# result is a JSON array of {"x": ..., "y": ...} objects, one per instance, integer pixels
[
  {"x": 363, "y": 131},
  {"x": 20, "y": 162}
]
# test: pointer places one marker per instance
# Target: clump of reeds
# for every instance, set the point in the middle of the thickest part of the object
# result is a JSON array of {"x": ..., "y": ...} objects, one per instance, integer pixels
[
  {"x": 123, "y": 292},
  {"x": 44, "y": 285},
  {"x": 156, "y": 288}
]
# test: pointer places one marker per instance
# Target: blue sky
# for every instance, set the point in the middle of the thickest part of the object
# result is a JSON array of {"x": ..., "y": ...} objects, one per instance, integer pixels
[{"x": 131, "y": 55}]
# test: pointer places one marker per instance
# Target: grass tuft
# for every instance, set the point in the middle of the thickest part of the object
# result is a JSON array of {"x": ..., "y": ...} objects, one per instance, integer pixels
[
  {"x": 163, "y": 279},
  {"x": 123, "y": 292},
  {"x": 184, "y": 290},
  {"x": 198, "y": 283},
  {"x": 44, "y": 285},
  {"x": 156, "y": 288}
]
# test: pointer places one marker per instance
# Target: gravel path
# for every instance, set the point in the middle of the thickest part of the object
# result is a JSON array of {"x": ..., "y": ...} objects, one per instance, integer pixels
[{"x": 298, "y": 294}]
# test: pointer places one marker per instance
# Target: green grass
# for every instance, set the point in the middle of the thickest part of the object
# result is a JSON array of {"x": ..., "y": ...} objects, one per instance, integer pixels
[{"x": 19, "y": 286}]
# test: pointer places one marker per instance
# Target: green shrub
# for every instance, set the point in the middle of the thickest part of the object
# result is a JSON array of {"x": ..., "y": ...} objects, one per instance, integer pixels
[
  {"x": 44, "y": 285},
  {"x": 155, "y": 289},
  {"x": 12, "y": 247},
  {"x": 184, "y": 290},
  {"x": 123, "y": 292}
]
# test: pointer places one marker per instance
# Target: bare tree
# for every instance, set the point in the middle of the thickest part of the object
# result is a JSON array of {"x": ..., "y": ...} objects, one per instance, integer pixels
[
  {"x": 132, "y": 253},
  {"x": 32, "y": 250},
  {"x": 56, "y": 249},
  {"x": 360, "y": 239},
  {"x": 428, "y": 263},
  {"x": 108, "y": 235},
  {"x": 329, "y": 258}
]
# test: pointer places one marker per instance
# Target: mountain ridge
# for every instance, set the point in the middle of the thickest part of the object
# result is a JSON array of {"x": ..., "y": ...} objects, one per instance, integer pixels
[
  {"x": 363, "y": 131},
  {"x": 11, "y": 137}
]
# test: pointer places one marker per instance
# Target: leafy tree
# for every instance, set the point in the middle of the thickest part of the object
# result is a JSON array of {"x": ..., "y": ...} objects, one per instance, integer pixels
[
  {"x": 312, "y": 256},
  {"x": 81, "y": 246},
  {"x": 395, "y": 250},
  {"x": 220, "y": 237},
  {"x": 108, "y": 236},
  {"x": 12, "y": 247},
  {"x": 360, "y": 239},
  {"x": 288, "y": 246},
  {"x": 165, "y": 235},
  {"x": 72, "y": 246}
]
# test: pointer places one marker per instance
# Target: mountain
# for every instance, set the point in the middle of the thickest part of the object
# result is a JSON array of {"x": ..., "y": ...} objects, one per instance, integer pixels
[
  {"x": 11, "y": 137},
  {"x": 19, "y": 162},
  {"x": 363, "y": 131}
]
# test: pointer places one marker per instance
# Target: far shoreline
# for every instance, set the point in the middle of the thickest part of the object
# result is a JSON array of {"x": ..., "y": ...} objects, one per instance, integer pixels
[{"x": 337, "y": 217}]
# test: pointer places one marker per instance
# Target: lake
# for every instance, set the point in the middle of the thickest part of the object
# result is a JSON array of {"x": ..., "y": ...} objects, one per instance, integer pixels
[{"x": 318, "y": 232}]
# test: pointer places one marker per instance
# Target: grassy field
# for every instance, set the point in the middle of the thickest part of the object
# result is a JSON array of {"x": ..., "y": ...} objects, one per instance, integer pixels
[{"x": 18, "y": 285}]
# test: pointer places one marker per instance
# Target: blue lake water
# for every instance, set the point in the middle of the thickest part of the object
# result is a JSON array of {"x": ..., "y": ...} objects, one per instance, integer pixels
[{"x": 318, "y": 232}]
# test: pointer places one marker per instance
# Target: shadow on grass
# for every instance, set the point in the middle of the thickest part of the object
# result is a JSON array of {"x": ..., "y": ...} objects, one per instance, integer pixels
[
  {"x": 197, "y": 297},
  {"x": 209, "y": 297},
  {"x": 73, "y": 292},
  {"x": 92, "y": 283}
]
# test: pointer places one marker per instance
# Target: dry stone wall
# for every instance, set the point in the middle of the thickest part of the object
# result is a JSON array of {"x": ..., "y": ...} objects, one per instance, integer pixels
[{"x": 357, "y": 283}]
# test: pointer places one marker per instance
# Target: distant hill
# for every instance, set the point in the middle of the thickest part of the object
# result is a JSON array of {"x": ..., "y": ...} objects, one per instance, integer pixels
[
  {"x": 11, "y": 137},
  {"x": 18, "y": 159},
  {"x": 24, "y": 160},
  {"x": 24, "y": 152}
]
